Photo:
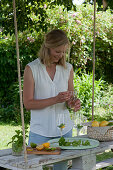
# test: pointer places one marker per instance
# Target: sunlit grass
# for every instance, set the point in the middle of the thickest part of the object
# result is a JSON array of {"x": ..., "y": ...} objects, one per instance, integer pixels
[
  {"x": 103, "y": 156},
  {"x": 6, "y": 133},
  {"x": 106, "y": 155}
]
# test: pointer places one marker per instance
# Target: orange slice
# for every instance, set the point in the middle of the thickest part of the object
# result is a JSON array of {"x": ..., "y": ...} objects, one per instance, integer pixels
[
  {"x": 46, "y": 145},
  {"x": 62, "y": 126}
]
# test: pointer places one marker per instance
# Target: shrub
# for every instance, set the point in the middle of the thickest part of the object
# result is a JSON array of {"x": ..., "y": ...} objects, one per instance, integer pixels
[
  {"x": 79, "y": 28},
  {"x": 104, "y": 106},
  {"x": 83, "y": 86},
  {"x": 11, "y": 112}
]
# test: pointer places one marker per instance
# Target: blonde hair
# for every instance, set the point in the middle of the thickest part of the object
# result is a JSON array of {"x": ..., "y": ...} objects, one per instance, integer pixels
[{"x": 53, "y": 39}]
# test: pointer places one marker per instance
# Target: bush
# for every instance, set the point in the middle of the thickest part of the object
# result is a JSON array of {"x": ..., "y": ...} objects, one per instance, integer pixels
[
  {"x": 83, "y": 86},
  {"x": 104, "y": 106},
  {"x": 79, "y": 28},
  {"x": 11, "y": 112},
  {"x": 29, "y": 46}
]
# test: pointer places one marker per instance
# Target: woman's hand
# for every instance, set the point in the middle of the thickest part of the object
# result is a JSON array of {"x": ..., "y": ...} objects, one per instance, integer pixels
[
  {"x": 74, "y": 104},
  {"x": 63, "y": 97}
]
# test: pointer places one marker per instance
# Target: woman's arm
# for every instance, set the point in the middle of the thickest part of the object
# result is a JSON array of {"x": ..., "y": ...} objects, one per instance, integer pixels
[
  {"x": 28, "y": 94},
  {"x": 76, "y": 104}
]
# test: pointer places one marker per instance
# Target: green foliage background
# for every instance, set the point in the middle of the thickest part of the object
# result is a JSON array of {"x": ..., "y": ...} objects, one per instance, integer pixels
[
  {"x": 24, "y": 8},
  {"x": 39, "y": 19}
]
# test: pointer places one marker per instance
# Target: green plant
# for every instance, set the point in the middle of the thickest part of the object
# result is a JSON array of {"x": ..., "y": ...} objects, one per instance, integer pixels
[
  {"x": 83, "y": 86},
  {"x": 11, "y": 111},
  {"x": 17, "y": 140},
  {"x": 104, "y": 106}
]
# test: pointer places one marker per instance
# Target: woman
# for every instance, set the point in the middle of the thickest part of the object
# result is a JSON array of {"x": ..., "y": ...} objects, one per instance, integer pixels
[{"x": 48, "y": 83}]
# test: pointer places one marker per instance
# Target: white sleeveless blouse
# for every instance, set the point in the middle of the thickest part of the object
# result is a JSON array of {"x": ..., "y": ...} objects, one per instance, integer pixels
[{"x": 45, "y": 121}]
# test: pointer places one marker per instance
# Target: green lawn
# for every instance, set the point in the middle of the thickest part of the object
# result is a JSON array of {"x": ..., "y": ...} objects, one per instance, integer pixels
[{"x": 6, "y": 133}]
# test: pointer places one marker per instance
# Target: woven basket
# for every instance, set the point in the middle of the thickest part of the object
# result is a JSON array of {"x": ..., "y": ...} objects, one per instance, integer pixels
[{"x": 95, "y": 134}]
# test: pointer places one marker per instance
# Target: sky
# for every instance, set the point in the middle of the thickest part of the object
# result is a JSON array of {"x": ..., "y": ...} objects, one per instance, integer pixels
[{"x": 78, "y": 2}]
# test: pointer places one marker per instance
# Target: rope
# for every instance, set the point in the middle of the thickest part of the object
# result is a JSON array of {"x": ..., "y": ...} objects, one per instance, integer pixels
[
  {"x": 93, "y": 61},
  {"x": 19, "y": 79}
]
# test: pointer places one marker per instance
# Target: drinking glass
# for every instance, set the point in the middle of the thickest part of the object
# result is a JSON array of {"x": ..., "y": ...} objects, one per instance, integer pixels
[
  {"x": 75, "y": 116},
  {"x": 73, "y": 99},
  {"x": 61, "y": 122}
]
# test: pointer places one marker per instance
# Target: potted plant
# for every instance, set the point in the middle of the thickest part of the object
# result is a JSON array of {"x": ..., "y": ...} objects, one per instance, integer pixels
[{"x": 17, "y": 142}]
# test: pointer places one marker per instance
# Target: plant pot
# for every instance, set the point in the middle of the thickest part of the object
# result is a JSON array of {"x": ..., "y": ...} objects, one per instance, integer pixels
[{"x": 17, "y": 150}]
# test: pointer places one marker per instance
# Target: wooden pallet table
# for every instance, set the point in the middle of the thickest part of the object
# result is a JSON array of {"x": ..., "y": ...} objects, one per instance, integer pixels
[{"x": 82, "y": 159}]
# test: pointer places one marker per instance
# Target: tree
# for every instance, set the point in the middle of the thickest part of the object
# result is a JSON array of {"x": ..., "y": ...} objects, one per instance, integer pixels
[
  {"x": 105, "y": 3},
  {"x": 26, "y": 7}
]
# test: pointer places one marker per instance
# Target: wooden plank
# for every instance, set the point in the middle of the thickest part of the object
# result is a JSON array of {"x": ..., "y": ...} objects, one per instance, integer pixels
[
  {"x": 18, "y": 163},
  {"x": 9, "y": 167},
  {"x": 5, "y": 152},
  {"x": 104, "y": 163},
  {"x": 30, "y": 150}
]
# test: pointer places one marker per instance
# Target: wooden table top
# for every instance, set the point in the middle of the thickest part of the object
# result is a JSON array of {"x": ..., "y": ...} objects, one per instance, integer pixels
[{"x": 7, "y": 160}]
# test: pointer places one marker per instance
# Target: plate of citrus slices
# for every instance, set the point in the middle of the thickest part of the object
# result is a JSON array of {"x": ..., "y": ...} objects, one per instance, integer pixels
[{"x": 43, "y": 149}]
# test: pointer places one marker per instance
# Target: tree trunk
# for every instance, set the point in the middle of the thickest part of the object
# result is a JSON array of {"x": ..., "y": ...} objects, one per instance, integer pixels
[{"x": 105, "y": 4}]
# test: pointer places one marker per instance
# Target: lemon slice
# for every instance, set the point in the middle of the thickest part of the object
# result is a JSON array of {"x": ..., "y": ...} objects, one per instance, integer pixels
[
  {"x": 103, "y": 123},
  {"x": 95, "y": 123},
  {"x": 29, "y": 149}
]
